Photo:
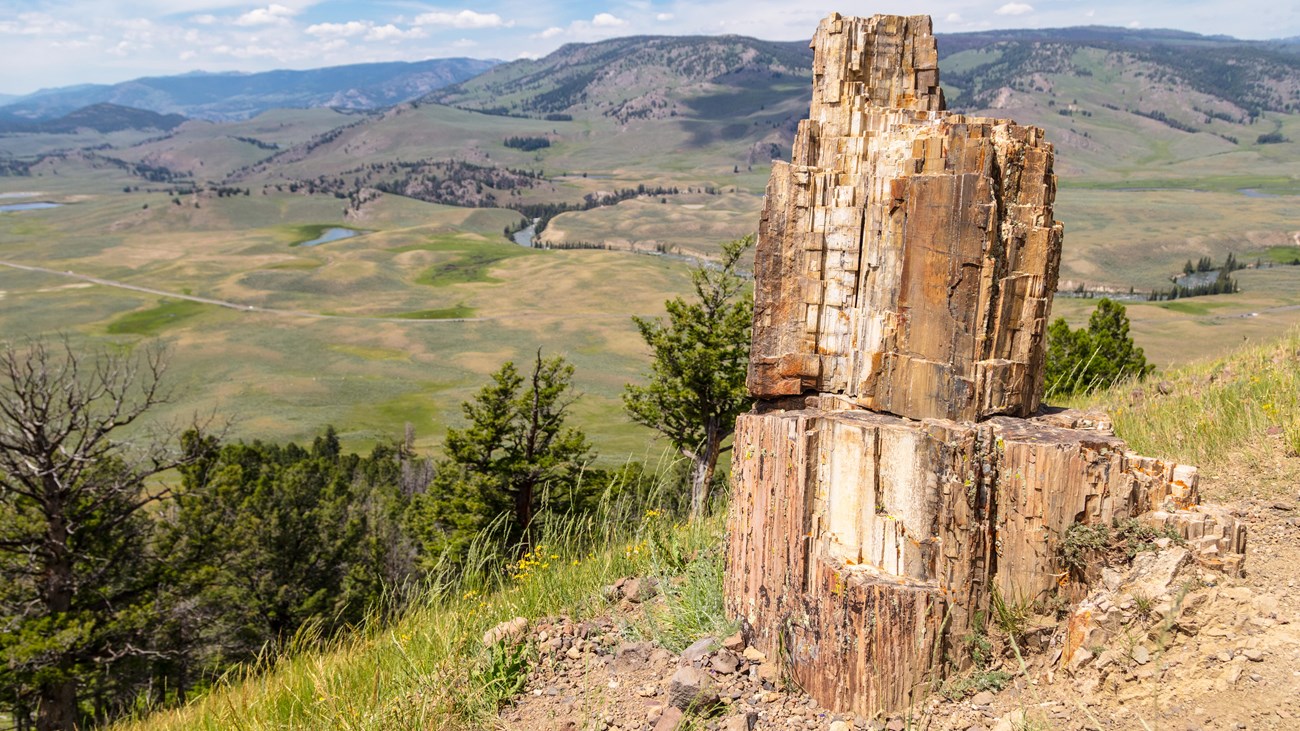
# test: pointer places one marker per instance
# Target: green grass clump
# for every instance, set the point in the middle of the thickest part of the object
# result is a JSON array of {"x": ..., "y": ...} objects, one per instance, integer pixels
[
  {"x": 1286, "y": 255},
  {"x": 156, "y": 319},
  {"x": 445, "y": 313},
  {"x": 470, "y": 265},
  {"x": 1190, "y": 308}
]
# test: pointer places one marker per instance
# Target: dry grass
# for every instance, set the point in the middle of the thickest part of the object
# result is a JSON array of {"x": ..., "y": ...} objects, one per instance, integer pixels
[{"x": 1237, "y": 417}]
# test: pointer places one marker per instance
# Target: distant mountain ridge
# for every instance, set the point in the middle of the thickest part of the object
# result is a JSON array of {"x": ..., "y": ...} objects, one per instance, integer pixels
[
  {"x": 628, "y": 78},
  {"x": 655, "y": 76},
  {"x": 234, "y": 96},
  {"x": 102, "y": 117}
]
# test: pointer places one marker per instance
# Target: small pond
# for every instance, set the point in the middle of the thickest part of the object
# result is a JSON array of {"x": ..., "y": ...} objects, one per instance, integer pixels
[
  {"x": 331, "y": 234},
  {"x": 28, "y": 206}
]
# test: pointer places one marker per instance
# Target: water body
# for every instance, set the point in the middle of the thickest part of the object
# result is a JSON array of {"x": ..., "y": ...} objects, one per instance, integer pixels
[
  {"x": 524, "y": 236},
  {"x": 1198, "y": 279},
  {"x": 331, "y": 234},
  {"x": 1256, "y": 193},
  {"x": 16, "y": 195},
  {"x": 28, "y": 206}
]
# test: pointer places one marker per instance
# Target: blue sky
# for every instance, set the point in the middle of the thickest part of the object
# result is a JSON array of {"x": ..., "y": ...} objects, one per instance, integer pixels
[{"x": 47, "y": 43}]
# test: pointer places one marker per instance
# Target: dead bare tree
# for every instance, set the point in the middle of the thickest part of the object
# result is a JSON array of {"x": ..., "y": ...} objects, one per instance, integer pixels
[{"x": 77, "y": 469}]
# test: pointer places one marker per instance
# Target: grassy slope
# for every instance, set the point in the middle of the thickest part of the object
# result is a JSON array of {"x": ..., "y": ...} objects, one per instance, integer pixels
[
  {"x": 429, "y": 669},
  {"x": 1237, "y": 416}
]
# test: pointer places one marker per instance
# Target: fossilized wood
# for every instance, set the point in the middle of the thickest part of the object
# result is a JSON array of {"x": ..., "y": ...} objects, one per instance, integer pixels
[
  {"x": 863, "y": 545},
  {"x": 905, "y": 259},
  {"x": 883, "y": 487}
]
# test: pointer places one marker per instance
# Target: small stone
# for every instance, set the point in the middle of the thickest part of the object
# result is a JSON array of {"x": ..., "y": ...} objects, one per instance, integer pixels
[
  {"x": 509, "y": 632},
  {"x": 669, "y": 720},
  {"x": 982, "y": 698},
  {"x": 1010, "y": 722},
  {"x": 839, "y": 726},
  {"x": 769, "y": 673},
  {"x": 698, "y": 650},
  {"x": 735, "y": 642},
  {"x": 725, "y": 662},
  {"x": 1141, "y": 655},
  {"x": 640, "y": 589},
  {"x": 1253, "y": 655},
  {"x": 742, "y": 722},
  {"x": 691, "y": 688},
  {"x": 754, "y": 655}
]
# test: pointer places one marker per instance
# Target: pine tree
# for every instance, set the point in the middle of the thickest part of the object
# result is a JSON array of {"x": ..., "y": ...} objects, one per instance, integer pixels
[
  {"x": 696, "y": 385},
  {"x": 515, "y": 459},
  {"x": 1093, "y": 357}
]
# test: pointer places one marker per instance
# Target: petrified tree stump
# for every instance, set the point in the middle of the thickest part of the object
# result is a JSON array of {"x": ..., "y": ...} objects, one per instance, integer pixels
[{"x": 905, "y": 265}]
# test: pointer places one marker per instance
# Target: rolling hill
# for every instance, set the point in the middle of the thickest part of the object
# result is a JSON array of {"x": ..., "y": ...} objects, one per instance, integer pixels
[
  {"x": 636, "y": 77},
  {"x": 233, "y": 96},
  {"x": 102, "y": 117}
]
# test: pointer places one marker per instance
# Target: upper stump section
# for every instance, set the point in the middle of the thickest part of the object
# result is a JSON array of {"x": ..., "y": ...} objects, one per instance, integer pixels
[
  {"x": 906, "y": 258},
  {"x": 888, "y": 61}
]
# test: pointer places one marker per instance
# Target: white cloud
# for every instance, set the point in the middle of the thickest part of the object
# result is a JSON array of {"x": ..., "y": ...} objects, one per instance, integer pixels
[
  {"x": 606, "y": 20},
  {"x": 38, "y": 24},
  {"x": 953, "y": 18},
  {"x": 1134, "y": 24},
  {"x": 250, "y": 50},
  {"x": 551, "y": 32},
  {"x": 1015, "y": 9},
  {"x": 390, "y": 32},
  {"x": 463, "y": 43},
  {"x": 338, "y": 30},
  {"x": 273, "y": 14},
  {"x": 463, "y": 19},
  {"x": 205, "y": 19},
  {"x": 366, "y": 29},
  {"x": 664, "y": 16}
]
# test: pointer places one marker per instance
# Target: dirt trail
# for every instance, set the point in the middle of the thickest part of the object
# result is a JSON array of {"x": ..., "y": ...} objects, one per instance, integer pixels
[{"x": 223, "y": 303}]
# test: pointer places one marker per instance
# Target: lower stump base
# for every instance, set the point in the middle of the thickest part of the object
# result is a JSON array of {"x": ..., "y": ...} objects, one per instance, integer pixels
[{"x": 863, "y": 546}]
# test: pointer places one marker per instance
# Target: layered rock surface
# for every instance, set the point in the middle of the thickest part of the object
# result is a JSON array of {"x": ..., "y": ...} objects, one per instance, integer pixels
[
  {"x": 905, "y": 258},
  {"x": 884, "y": 488}
]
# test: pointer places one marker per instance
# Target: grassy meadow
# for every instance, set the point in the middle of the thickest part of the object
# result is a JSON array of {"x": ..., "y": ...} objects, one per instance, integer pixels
[
  {"x": 398, "y": 324},
  {"x": 405, "y": 320}
]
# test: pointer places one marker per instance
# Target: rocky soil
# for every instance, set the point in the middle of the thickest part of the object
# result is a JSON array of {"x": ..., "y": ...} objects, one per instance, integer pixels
[{"x": 1159, "y": 644}]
